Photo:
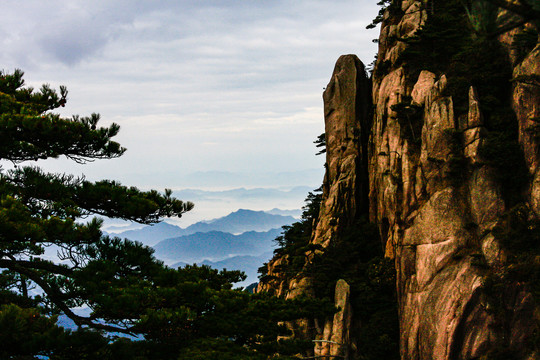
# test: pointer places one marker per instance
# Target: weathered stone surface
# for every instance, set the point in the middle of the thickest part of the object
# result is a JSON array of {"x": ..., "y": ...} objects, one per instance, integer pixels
[
  {"x": 491, "y": 249},
  {"x": 438, "y": 220},
  {"x": 438, "y": 229},
  {"x": 277, "y": 285},
  {"x": 423, "y": 87},
  {"x": 414, "y": 16},
  {"x": 346, "y": 108},
  {"x": 299, "y": 286},
  {"x": 438, "y": 119},
  {"x": 474, "y": 117},
  {"x": 472, "y": 142},
  {"x": 336, "y": 341},
  {"x": 342, "y": 320},
  {"x": 485, "y": 199},
  {"x": 526, "y": 103}
]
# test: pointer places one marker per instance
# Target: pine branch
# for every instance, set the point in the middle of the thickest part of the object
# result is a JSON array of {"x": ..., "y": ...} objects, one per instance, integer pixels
[
  {"x": 68, "y": 196},
  {"x": 13, "y": 264},
  {"x": 56, "y": 296}
]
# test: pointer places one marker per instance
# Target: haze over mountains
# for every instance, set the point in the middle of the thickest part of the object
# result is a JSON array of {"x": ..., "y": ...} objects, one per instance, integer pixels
[
  {"x": 249, "y": 264},
  {"x": 235, "y": 223},
  {"x": 216, "y": 203},
  {"x": 214, "y": 246},
  {"x": 242, "y": 240}
]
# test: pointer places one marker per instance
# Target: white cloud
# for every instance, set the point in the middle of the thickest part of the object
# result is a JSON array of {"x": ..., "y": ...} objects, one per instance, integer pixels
[{"x": 195, "y": 85}]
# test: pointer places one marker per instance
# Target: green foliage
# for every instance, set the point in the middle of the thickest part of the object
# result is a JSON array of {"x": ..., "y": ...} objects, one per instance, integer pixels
[
  {"x": 344, "y": 258},
  {"x": 482, "y": 16},
  {"x": 27, "y": 333},
  {"x": 393, "y": 7},
  {"x": 484, "y": 64},
  {"x": 433, "y": 45},
  {"x": 30, "y": 132},
  {"x": 218, "y": 349},
  {"x": 456, "y": 40},
  {"x": 321, "y": 143},
  {"x": 454, "y": 25},
  {"x": 128, "y": 291},
  {"x": 381, "y": 68},
  {"x": 355, "y": 256},
  {"x": 480, "y": 62},
  {"x": 487, "y": 19}
]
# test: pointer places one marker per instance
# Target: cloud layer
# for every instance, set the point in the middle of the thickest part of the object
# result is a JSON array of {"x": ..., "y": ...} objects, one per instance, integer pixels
[{"x": 195, "y": 85}]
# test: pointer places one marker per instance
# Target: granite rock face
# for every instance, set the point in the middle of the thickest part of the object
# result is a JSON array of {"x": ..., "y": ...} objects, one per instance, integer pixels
[
  {"x": 347, "y": 123},
  {"x": 336, "y": 337},
  {"x": 439, "y": 231},
  {"x": 435, "y": 229}
]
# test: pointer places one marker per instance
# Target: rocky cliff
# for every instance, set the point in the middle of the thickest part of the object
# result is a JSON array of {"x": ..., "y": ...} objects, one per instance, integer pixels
[{"x": 447, "y": 167}]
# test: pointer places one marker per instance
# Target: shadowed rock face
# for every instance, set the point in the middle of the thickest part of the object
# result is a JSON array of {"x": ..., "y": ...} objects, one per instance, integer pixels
[
  {"x": 397, "y": 171},
  {"x": 526, "y": 101}
]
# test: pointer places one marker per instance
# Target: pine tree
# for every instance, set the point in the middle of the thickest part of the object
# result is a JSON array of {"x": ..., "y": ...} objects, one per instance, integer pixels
[
  {"x": 39, "y": 209},
  {"x": 173, "y": 312}
]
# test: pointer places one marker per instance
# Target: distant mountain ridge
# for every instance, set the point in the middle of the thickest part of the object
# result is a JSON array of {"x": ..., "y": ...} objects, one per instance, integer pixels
[
  {"x": 296, "y": 213},
  {"x": 235, "y": 223},
  {"x": 242, "y": 221},
  {"x": 151, "y": 235},
  {"x": 242, "y": 240},
  {"x": 214, "y": 246},
  {"x": 249, "y": 264}
]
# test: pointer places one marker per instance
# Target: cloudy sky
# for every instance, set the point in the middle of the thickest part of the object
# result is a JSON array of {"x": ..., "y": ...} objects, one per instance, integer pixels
[{"x": 202, "y": 89}]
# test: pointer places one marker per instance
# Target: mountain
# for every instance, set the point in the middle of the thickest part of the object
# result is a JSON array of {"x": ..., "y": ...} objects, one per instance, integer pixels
[
  {"x": 296, "y": 213},
  {"x": 241, "y": 221},
  {"x": 235, "y": 223},
  {"x": 152, "y": 234},
  {"x": 214, "y": 245},
  {"x": 115, "y": 229},
  {"x": 249, "y": 264}
]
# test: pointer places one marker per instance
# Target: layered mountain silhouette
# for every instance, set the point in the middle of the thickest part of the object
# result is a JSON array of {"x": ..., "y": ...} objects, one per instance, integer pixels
[
  {"x": 249, "y": 264},
  {"x": 214, "y": 246},
  {"x": 235, "y": 223},
  {"x": 242, "y": 240}
]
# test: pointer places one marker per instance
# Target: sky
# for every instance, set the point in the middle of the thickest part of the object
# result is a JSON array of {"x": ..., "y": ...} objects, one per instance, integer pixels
[{"x": 208, "y": 94}]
